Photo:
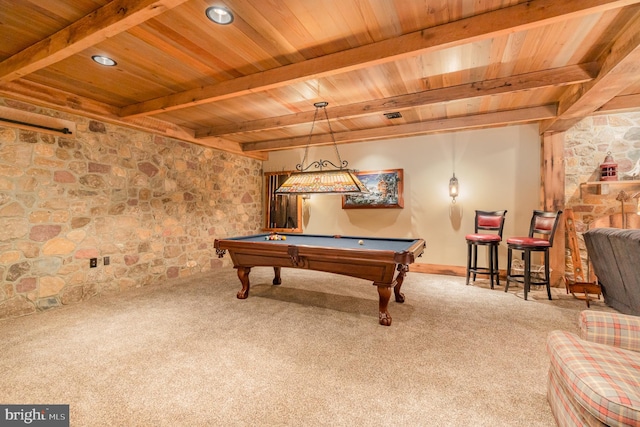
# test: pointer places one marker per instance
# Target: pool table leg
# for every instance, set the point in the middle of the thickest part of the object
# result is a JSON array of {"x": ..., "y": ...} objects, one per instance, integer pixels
[
  {"x": 276, "y": 279},
  {"x": 402, "y": 271},
  {"x": 384, "y": 292},
  {"x": 243, "y": 275}
]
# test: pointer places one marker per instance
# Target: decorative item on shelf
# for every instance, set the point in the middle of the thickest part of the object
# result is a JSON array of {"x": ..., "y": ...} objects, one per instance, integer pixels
[
  {"x": 454, "y": 188},
  {"x": 622, "y": 197},
  {"x": 635, "y": 172},
  {"x": 337, "y": 181},
  {"x": 608, "y": 169}
]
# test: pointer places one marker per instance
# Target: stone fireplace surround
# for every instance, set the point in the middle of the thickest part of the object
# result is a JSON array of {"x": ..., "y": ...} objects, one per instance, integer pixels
[{"x": 585, "y": 147}]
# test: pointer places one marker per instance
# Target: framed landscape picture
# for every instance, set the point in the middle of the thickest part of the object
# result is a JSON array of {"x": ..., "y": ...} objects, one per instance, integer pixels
[{"x": 385, "y": 190}]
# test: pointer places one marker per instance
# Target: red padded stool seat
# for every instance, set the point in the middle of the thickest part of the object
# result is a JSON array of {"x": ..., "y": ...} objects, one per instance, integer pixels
[
  {"x": 528, "y": 241},
  {"x": 492, "y": 222},
  {"x": 542, "y": 224},
  {"x": 483, "y": 238}
]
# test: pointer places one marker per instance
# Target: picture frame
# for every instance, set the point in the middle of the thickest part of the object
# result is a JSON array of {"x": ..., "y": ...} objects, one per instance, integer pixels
[{"x": 385, "y": 190}]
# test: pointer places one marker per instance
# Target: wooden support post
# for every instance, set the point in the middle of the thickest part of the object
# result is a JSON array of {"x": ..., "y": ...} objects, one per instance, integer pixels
[{"x": 552, "y": 197}]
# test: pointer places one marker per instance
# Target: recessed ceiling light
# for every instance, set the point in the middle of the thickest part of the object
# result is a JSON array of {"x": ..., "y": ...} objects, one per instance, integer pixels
[
  {"x": 220, "y": 15},
  {"x": 103, "y": 60}
]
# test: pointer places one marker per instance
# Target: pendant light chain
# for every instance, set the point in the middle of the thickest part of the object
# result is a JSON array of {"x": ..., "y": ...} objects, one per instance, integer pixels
[
  {"x": 342, "y": 164},
  {"x": 333, "y": 138},
  {"x": 339, "y": 181},
  {"x": 306, "y": 148}
]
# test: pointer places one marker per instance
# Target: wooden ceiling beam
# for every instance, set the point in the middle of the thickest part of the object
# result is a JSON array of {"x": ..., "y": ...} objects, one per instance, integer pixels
[
  {"x": 620, "y": 104},
  {"x": 620, "y": 66},
  {"x": 572, "y": 74},
  {"x": 495, "y": 119},
  {"x": 107, "y": 21},
  {"x": 47, "y": 97},
  {"x": 496, "y": 23}
]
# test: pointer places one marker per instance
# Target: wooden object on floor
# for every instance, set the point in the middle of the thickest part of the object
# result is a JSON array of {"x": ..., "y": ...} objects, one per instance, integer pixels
[{"x": 579, "y": 287}]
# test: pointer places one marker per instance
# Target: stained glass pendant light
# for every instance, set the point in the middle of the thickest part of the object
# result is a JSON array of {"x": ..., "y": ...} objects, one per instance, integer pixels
[{"x": 334, "y": 181}]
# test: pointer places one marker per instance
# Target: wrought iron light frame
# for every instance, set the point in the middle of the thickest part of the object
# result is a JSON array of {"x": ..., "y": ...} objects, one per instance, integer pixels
[{"x": 339, "y": 180}]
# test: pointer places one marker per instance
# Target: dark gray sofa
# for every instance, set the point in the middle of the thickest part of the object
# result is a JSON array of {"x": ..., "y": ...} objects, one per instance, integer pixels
[{"x": 615, "y": 255}]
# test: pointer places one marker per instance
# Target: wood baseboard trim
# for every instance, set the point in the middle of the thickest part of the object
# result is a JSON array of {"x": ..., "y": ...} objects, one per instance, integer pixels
[
  {"x": 454, "y": 270},
  {"x": 446, "y": 270}
]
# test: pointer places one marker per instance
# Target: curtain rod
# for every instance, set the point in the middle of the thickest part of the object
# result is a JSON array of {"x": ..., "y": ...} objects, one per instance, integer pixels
[{"x": 64, "y": 131}]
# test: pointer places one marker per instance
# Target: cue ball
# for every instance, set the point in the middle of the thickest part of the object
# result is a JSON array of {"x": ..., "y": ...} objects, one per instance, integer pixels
[{"x": 360, "y": 242}]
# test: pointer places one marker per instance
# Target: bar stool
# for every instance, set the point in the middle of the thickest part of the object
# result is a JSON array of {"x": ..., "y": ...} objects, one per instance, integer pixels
[
  {"x": 543, "y": 224},
  {"x": 491, "y": 223}
]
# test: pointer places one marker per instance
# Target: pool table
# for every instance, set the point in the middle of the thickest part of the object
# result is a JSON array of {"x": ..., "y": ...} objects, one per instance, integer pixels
[{"x": 374, "y": 259}]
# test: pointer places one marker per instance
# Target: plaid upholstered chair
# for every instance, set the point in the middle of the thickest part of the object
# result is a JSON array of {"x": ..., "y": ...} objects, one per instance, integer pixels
[{"x": 594, "y": 379}]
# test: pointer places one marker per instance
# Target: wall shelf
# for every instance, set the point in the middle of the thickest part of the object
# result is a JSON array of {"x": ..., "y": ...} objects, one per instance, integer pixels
[
  {"x": 602, "y": 187},
  {"x": 625, "y": 182}
]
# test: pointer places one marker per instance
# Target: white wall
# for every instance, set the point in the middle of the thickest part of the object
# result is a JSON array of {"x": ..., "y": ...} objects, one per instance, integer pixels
[{"x": 497, "y": 169}]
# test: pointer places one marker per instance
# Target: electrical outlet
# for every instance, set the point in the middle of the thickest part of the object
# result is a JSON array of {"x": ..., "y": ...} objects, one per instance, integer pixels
[
  {"x": 93, "y": 262},
  {"x": 106, "y": 260}
]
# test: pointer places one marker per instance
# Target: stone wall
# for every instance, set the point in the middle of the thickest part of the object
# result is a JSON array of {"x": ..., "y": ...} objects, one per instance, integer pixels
[
  {"x": 586, "y": 146},
  {"x": 152, "y": 204}
]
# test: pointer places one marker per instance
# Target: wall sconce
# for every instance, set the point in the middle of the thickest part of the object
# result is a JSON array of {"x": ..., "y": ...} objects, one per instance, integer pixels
[{"x": 454, "y": 188}]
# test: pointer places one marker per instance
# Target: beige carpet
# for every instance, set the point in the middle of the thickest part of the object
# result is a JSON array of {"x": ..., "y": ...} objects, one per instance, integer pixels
[{"x": 307, "y": 353}]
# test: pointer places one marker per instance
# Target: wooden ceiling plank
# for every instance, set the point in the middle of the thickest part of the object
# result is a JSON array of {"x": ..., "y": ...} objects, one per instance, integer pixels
[
  {"x": 572, "y": 74},
  {"x": 619, "y": 69},
  {"x": 44, "y": 96},
  {"x": 496, "y": 23},
  {"x": 498, "y": 118},
  {"x": 107, "y": 21},
  {"x": 153, "y": 39}
]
